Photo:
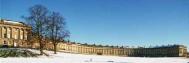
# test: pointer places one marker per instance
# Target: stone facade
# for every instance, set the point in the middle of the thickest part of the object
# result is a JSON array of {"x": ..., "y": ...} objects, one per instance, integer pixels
[
  {"x": 13, "y": 33},
  {"x": 17, "y": 34},
  {"x": 166, "y": 51}
]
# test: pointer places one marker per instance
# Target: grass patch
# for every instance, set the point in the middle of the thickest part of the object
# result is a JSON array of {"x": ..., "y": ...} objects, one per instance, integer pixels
[{"x": 16, "y": 52}]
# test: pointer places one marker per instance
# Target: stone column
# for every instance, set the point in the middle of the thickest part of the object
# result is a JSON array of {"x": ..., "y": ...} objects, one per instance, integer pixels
[
  {"x": 0, "y": 31},
  {"x": 13, "y": 33},
  {"x": 8, "y": 32}
]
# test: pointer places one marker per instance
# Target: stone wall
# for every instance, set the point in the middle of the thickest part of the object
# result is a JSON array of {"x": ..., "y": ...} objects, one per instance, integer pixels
[{"x": 13, "y": 33}]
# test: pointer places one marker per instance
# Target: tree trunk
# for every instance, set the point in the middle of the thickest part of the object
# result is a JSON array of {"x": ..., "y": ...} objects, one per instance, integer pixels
[
  {"x": 41, "y": 49},
  {"x": 55, "y": 48},
  {"x": 41, "y": 45}
]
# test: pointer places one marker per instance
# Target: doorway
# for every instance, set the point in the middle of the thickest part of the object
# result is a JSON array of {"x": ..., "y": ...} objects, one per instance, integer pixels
[{"x": 5, "y": 44}]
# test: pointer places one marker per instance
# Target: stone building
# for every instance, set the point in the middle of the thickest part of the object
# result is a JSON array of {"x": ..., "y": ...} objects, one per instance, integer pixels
[
  {"x": 13, "y": 33},
  {"x": 17, "y": 34},
  {"x": 163, "y": 51}
]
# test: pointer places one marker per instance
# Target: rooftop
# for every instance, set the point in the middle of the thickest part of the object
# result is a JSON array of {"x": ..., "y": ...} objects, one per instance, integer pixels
[{"x": 11, "y": 22}]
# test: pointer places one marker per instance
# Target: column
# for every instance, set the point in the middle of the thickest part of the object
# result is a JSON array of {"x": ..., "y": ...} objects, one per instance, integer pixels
[
  {"x": 1, "y": 32},
  {"x": 20, "y": 34},
  {"x": 8, "y": 32},
  {"x": 12, "y": 29}
]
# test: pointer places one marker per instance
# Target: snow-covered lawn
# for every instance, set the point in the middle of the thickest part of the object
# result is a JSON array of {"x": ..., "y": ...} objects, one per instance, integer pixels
[{"x": 80, "y": 58}]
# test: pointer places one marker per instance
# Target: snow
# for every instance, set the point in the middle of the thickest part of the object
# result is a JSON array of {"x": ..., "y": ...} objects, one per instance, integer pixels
[
  {"x": 13, "y": 22},
  {"x": 81, "y": 58}
]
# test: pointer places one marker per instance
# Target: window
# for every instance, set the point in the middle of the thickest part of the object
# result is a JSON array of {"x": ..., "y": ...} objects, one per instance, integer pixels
[
  {"x": 8, "y": 33},
  {"x": 5, "y": 35},
  {"x": 26, "y": 37},
  {"x": 180, "y": 51},
  {"x": 5, "y": 42},
  {"x": 21, "y": 36},
  {"x": 5, "y": 32},
  {"x": 15, "y": 36},
  {"x": 15, "y": 44}
]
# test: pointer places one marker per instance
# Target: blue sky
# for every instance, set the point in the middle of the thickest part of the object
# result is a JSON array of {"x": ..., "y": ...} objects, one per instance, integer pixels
[{"x": 115, "y": 22}]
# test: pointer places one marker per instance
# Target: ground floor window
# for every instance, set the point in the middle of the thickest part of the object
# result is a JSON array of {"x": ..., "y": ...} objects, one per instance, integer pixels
[
  {"x": 15, "y": 44},
  {"x": 5, "y": 43}
]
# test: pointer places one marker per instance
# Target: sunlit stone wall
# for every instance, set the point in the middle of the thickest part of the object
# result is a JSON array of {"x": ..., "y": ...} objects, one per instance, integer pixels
[
  {"x": 168, "y": 51},
  {"x": 13, "y": 33}
]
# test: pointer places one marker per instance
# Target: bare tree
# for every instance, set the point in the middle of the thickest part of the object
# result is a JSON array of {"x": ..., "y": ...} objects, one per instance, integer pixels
[
  {"x": 56, "y": 28},
  {"x": 37, "y": 20}
]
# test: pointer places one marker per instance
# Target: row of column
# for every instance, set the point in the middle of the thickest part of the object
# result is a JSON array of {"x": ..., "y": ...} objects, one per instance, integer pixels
[
  {"x": 95, "y": 50},
  {"x": 125, "y": 51},
  {"x": 13, "y": 32}
]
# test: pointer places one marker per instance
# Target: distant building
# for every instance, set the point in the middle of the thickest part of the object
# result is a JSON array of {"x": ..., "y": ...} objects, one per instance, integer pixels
[
  {"x": 13, "y": 33},
  {"x": 164, "y": 51}
]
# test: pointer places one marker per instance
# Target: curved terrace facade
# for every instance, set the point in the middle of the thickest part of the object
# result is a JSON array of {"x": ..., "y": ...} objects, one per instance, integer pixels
[
  {"x": 163, "y": 51},
  {"x": 16, "y": 34}
]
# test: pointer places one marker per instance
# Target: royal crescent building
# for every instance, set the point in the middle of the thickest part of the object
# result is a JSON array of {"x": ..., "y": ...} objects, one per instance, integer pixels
[
  {"x": 17, "y": 34},
  {"x": 13, "y": 33},
  {"x": 161, "y": 51}
]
